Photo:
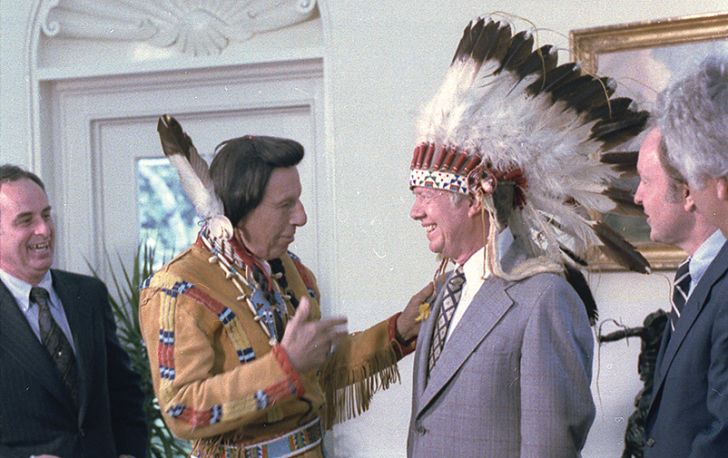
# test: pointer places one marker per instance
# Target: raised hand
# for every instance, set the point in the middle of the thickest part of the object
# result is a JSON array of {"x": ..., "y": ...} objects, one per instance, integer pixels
[{"x": 308, "y": 343}]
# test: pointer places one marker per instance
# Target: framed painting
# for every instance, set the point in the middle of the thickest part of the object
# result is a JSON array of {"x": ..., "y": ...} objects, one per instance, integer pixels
[{"x": 644, "y": 58}]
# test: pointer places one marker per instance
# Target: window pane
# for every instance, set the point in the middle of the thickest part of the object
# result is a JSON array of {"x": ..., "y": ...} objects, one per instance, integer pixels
[{"x": 168, "y": 222}]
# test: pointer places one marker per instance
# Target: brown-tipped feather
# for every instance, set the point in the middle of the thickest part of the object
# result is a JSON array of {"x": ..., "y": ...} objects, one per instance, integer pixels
[
  {"x": 615, "y": 132},
  {"x": 555, "y": 78},
  {"x": 592, "y": 93},
  {"x": 194, "y": 173},
  {"x": 620, "y": 250},
  {"x": 518, "y": 51},
  {"x": 625, "y": 120},
  {"x": 485, "y": 41},
  {"x": 578, "y": 282},
  {"x": 625, "y": 202},
  {"x": 466, "y": 42},
  {"x": 174, "y": 139},
  {"x": 620, "y": 158},
  {"x": 570, "y": 254},
  {"x": 613, "y": 110},
  {"x": 502, "y": 44},
  {"x": 470, "y": 35},
  {"x": 574, "y": 86},
  {"x": 541, "y": 61},
  {"x": 624, "y": 162}
]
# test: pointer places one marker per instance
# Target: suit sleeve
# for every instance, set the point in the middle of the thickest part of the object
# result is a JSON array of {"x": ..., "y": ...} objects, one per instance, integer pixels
[
  {"x": 125, "y": 395},
  {"x": 713, "y": 441},
  {"x": 557, "y": 409}
]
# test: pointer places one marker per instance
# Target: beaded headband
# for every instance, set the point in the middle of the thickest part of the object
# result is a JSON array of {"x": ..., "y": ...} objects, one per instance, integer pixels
[
  {"x": 439, "y": 167},
  {"x": 445, "y": 168}
]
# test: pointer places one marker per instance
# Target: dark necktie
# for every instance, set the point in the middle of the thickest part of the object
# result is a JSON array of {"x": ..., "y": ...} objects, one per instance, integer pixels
[
  {"x": 56, "y": 342},
  {"x": 450, "y": 299},
  {"x": 680, "y": 290}
]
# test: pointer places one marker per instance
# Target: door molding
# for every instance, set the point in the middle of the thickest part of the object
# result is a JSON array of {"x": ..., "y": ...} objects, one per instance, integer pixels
[{"x": 83, "y": 110}]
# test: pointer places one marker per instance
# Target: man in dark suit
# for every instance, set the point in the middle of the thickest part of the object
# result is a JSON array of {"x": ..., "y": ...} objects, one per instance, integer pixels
[
  {"x": 688, "y": 416},
  {"x": 66, "y": 385}
]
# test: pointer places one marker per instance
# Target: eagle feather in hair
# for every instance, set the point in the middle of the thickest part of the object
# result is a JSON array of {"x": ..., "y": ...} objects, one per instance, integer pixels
[{"x": 194, "y": 174}]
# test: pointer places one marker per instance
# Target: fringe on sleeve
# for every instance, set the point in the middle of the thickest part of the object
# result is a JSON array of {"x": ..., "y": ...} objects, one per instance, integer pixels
[{"x": 353, "y": 375}]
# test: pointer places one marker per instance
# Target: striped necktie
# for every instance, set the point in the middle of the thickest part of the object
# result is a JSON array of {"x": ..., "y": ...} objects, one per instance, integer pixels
[
  {"x": 56, "y": 342},
  {"x": 450, "y": 299},
  {"x": 680, "y": 290}
]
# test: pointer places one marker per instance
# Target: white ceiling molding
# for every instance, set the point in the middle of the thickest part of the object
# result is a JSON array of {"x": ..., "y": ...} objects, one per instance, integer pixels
[{"x": 195, "y": 27}]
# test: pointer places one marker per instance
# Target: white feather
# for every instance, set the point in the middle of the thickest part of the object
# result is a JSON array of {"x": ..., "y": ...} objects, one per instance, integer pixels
[{"x": 203, "y": 199}]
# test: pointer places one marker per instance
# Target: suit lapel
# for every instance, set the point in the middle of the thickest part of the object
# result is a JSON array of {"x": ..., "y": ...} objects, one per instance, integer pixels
[
  {"x": 21, "y": 344},
  {"x": 489, "y": 305},
  {"x": 692, "y": 309},
  {"x": 423, "y": 342},
  {"x": 78, "y": 320}
]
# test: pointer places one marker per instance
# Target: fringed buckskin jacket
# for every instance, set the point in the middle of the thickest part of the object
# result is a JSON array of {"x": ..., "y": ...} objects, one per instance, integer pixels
[{"x": 218, "y": 379}]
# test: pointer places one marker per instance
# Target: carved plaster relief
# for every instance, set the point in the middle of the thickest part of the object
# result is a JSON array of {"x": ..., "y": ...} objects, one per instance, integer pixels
[{"x": 197, "y": 27}]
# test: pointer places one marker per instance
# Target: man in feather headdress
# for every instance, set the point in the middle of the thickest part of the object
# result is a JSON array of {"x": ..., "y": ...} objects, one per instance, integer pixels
[
  {"x": 509, "y": 171},
  {"x": 688, "y": 416},
  {"x": 242, "y": 362}
]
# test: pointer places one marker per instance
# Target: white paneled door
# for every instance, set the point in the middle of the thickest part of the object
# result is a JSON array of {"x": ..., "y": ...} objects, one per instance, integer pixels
[{"x": 110, "y": 177}]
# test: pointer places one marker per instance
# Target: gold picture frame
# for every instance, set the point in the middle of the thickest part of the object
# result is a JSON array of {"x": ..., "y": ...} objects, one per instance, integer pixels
[{"x": 643, "y": 57}]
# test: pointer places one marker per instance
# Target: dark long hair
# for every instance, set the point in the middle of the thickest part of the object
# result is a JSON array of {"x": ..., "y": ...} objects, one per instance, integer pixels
[{"x": 242, "y": 167}]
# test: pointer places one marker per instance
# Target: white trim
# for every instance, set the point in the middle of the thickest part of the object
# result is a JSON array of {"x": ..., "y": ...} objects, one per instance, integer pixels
[{"x": 171, "y": 65}]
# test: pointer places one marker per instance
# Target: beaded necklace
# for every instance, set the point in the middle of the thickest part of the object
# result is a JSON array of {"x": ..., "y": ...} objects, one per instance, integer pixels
[{"x": 254, "y": 280}]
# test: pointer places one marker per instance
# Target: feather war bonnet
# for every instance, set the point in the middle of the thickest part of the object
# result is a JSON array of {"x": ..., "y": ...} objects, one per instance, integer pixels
[{"x": 533, "y": 141}]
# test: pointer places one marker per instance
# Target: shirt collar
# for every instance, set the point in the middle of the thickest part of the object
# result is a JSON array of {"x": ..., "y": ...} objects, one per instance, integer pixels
[
  {"x": 474, "y": 268},
  {"x": 21, "y": 289},
  {"x": 704, "y": 255}
]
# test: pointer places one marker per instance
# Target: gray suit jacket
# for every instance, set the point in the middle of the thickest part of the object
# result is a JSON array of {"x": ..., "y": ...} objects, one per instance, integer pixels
[{"x": 513, "y": 379}]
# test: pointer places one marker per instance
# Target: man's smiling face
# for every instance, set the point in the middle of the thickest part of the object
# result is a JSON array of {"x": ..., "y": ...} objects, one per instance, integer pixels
[{"x": 26, "y": 230}]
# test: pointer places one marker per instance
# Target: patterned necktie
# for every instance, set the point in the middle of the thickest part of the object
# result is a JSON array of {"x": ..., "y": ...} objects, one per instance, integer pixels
[
  {"x": 680, "y": 290},
  {"x": 450, "y": 299},
  {"x": 56, "y": 342}
]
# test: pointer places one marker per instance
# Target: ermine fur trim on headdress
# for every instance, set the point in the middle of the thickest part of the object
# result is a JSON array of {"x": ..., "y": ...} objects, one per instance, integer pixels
[
  {"x": 194, "y": 174},
  {"x": 506, "y": 116}
]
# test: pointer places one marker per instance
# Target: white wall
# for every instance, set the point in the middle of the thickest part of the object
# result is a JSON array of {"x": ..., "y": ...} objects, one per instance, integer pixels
[
  {"x": 382, "y": 61},
  {"x": 14, "y": 109}
]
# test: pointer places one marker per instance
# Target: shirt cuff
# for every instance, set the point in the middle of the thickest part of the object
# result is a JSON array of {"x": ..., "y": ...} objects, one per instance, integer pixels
[{"x": 401, "y": 346}]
